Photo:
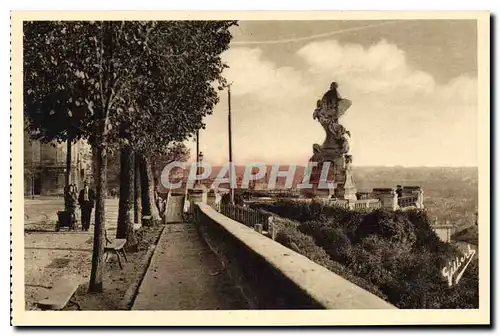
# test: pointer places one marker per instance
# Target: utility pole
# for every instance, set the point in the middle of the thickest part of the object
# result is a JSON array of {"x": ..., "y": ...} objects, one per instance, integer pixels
[
  {"x": 230, "y": 142},
  {"x": 197, "y": 155},
  {"x": 33, "y": 169}
]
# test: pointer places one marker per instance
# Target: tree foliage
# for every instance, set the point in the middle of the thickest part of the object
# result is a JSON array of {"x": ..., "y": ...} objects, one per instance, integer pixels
[
  {"x": 51, "y": 110},
  {"x": 140, "y": 84}
]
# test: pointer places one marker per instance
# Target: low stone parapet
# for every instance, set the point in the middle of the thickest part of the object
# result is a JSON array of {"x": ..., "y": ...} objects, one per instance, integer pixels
[
  {"x": 388, "y": 198},
  {"x": 367, "y": 204},
  {"x": 272, "y": 276}
]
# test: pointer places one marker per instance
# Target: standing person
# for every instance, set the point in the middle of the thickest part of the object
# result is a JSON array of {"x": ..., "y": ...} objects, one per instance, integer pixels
[
  {"x": 75, "y": 195},
  {"x": 399, "y": 191},
  {"x": 86, "y": 201},
  {"x": 70, "y": 201}
]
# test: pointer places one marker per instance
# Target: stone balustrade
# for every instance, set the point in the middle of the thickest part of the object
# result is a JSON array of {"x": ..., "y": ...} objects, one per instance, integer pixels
[
  {"x": 245, "y": 215},
  {"x": 272, "y": 276},
  {"x": 387, "y": 196},
  {"x": 407, "y": 201},
  {"x": 367, "y": 204}
]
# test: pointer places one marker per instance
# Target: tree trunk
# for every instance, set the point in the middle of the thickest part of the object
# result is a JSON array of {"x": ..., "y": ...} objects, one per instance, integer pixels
[
  {"x": 137, "y": 190},
  {"x": 124, "y": 228},
  {"x": 67, "y": 174},
  {"x": 95, "y": 284},
  {"x": 147, "y": 189}
]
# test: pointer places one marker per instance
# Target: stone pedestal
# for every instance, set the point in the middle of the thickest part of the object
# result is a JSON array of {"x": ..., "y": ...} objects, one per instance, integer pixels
[
  {"x": 388, "y": 198},
  {"x": 347, "y": 190},
  {"x": 213, "y": 199},
  {"x": 339, "y": 173},
  {"x": 197, "y": 194}
]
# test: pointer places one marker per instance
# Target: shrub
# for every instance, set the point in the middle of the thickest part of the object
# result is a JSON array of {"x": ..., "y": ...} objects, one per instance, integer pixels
[
  {"x": 395, "y": 255},
  {"x": 295, "y": 240},
  {"x": 394, "y": 226},
  {"x": 425, "y": 236},
  {"x": 331, "y": 238}
]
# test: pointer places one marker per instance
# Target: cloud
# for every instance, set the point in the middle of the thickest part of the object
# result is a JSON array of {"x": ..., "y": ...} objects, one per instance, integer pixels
[
  {"x": 382, "y": 69},
  {"x": 463, "y": 90},
  {"x": 379, "y": 68},
  {"x": 257, "y": 76},
  {"x": 400, "y": 114}
]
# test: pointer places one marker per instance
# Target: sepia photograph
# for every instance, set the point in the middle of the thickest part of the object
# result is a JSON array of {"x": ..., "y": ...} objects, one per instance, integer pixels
[{"x": 213, "y": 166}]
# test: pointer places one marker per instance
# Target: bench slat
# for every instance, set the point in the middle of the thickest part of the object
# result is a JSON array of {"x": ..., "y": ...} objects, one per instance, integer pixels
[
  {"x": 60, "y": 293},
  {"x": 118, "y": 245}
]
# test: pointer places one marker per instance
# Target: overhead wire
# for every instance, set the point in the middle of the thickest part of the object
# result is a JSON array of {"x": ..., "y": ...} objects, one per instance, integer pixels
[{"x": 316, "y": 36}]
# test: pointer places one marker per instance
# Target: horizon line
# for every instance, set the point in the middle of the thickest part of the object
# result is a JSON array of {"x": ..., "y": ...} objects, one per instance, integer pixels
[{"x": 354, "y": 166}]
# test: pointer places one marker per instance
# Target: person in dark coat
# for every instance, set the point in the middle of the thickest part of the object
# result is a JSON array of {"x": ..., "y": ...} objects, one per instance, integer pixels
[
  {"x": 399, "y": 191},
  {"x": 86, "y": 200},
  {"x": 70, "y": 200}
]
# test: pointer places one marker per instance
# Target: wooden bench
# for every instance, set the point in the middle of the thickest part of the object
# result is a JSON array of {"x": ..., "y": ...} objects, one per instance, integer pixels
[
  {"x": 147, "y": 220},
  {"x": 61, "y": 293},
  {"x": 136, "y": 227},
  {"x": 117, "y": 247}
]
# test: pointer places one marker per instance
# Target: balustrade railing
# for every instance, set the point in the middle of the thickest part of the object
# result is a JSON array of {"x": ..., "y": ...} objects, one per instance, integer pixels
[
  {"x": 249, "y": 217},
  {"x": 364, "y": 195},
  {"x": 407, "y": 201},
  {"x": 337, "y": 203},
  {"x": 367, "y": 204}
]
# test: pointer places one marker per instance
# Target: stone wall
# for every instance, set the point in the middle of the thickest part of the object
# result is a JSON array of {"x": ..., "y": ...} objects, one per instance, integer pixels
[{"x": 272, "y": 276}]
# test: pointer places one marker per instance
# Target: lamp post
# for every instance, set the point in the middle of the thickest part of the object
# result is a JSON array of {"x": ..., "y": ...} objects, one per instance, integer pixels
[
  {"x": 33, "y": 169},
  {"x": 230, "y": 142},
  {"x": 199, "y": 160}
]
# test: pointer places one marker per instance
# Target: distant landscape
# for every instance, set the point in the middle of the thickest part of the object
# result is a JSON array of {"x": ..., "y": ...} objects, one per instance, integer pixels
[
  {"x": 394, "y": 255},
  {"x": 450, "y": 193}
]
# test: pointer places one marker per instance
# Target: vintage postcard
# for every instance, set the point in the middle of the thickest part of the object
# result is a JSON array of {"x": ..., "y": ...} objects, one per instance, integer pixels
[{"x": 250, "y": 168}]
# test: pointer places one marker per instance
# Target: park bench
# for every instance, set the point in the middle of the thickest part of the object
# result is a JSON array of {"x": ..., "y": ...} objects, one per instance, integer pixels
[
  {"x": 61, "y": 293},
  {"x": 147, "y": 220},
  {"x": 136, "y": 227},
  {"x": 117, "y": 247}
]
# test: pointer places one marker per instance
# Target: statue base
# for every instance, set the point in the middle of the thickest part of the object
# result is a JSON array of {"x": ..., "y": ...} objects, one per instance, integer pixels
[{"x": 339, "y": 175}]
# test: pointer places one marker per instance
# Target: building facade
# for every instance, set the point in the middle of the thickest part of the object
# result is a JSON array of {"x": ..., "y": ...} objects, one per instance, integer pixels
[{"x": 45, "y": 166}]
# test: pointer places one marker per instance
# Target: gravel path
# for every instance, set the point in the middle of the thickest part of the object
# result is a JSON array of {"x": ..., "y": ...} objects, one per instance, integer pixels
[{"x": 185, "y": 274}]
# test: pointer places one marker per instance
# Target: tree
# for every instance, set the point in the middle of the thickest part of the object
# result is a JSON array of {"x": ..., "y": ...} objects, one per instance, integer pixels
[
  {"x": 49, "y": 108},
  {"x": 95, "y": 61},
  {"x": 176, "y": 151},
  {"x": 125, "y": 220},
  {"x": 188, "y": 92},
  {"x": 113, "y": 72}
]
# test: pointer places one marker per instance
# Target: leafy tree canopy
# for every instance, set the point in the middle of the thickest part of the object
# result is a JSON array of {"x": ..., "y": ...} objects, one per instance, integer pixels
[{"x": 144, "y": 83}]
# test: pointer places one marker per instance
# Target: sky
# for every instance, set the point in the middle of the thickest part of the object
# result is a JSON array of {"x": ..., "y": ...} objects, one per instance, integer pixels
[{"x": 413, "y": 87}]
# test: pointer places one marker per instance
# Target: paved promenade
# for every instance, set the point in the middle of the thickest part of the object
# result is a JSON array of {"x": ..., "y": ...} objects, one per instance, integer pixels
[{"x": 185, "y": 274}]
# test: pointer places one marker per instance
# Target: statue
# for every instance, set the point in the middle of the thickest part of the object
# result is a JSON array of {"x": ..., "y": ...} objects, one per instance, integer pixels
[
  {"x": 316, "y": 148},
  {"x": 348, "y": 189},
  {"x": 420, "y": 199},
  {"x": 332, "y": 97},
  {"x": 348, "y": 162},
  {"x": 327, "y": 112},
  {"x": 336, "y": 145}
]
